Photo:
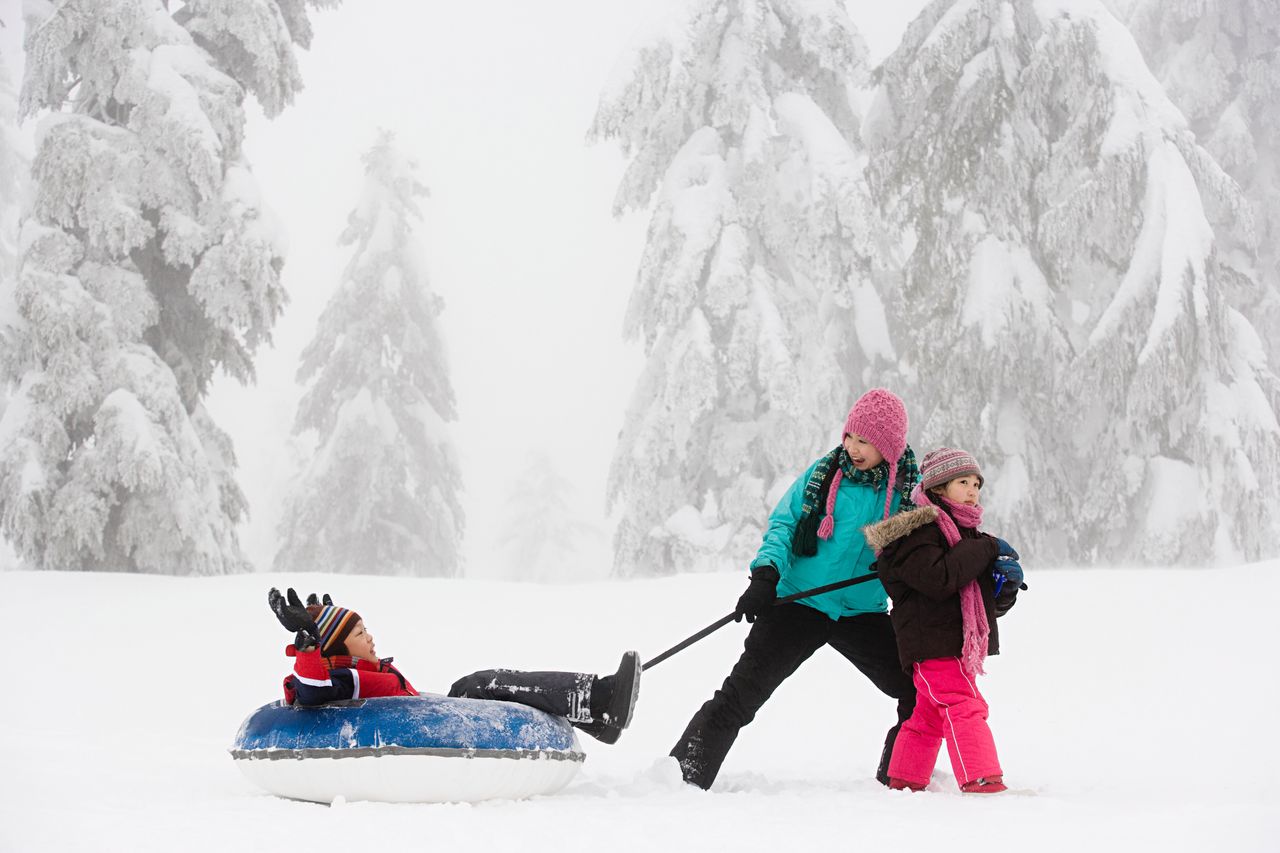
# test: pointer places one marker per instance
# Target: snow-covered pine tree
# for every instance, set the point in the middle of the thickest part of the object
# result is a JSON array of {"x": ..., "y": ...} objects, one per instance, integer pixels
[
  {"x": 1065, "y": 302},
  {"x": 253, "y": 42},
  {"x": 14, "y": 171},
  {"x": 148, "y": 263},
  {"x": 381, "y": 495},
  {"x": 1219, "y": 61},
  {"x": 753, "y": 297}
]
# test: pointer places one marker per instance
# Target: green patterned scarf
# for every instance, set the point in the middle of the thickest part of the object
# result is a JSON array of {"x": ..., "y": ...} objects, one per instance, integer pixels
[{"x": 805, "y": 541}]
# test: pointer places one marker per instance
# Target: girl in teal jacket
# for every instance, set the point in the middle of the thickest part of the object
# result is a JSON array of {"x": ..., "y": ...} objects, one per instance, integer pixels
[{"x": 815, "y": 538}]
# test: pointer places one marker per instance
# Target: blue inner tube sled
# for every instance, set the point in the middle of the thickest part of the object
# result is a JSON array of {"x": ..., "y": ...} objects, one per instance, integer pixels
[{"x": 407, "y": 749}]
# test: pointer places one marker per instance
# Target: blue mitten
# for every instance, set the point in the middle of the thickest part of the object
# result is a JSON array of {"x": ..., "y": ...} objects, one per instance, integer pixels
[{"x": 1006, "y": 567}]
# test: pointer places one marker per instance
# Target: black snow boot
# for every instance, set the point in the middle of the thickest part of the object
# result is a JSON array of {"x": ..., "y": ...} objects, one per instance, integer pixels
[
  {"x": 613, "y": 700},
  {"x": 882, "y": 770}
]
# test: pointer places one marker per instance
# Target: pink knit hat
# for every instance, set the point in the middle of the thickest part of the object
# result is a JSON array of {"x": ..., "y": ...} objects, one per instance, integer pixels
[
  {"x": 880, "y": 417},
  {"x": 943, "y": 465}
]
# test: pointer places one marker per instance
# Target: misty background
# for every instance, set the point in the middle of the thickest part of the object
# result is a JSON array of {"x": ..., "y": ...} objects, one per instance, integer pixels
[{"x": 535, "y": 273}]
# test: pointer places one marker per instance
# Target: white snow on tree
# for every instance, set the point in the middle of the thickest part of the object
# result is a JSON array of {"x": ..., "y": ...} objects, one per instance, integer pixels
[
  {"x": 148, "y": 264},
  {"x": 1064, "y": 305},
  {"x": 253, "y": 41},
  {"x": 381, "y": 495},
  {"x": 737, "y": 127},
  {"x": 14, "y": 172},
  {"x": 1219, "y": 61},
  {"x": 543, "y": 538}
]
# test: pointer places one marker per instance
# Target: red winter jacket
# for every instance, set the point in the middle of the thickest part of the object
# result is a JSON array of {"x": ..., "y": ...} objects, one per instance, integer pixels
[{"x": 317, "y": 680}]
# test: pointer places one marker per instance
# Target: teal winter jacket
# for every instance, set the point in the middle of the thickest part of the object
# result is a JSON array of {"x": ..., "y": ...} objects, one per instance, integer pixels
[{"x": 845, "y": 555}]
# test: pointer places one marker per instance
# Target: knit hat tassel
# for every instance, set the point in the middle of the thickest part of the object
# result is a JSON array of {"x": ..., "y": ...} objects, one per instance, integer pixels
[{"x": 828, "y": 525}]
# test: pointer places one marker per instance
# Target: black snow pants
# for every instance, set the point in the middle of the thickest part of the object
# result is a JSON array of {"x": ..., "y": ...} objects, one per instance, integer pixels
[
  {"x": 779, "y": 641},
  {"x": 564, "y": 694}
]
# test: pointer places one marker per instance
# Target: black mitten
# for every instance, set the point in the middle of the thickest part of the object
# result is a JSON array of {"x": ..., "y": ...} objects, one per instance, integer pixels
[
  {"x": 312, "y": 601},
  {"x": 1007, "y": 598},
  {"x": 294, "y": 617},
  {"x": 761, "y": 593}
]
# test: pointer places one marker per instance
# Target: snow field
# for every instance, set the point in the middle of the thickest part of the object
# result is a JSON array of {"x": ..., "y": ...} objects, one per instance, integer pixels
[{"x": 1129, "y": 710}]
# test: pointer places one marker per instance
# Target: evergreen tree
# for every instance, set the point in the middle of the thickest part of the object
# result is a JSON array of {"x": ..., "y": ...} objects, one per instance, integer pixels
[
  {"x": 148, "y": 264},
  {"x": 754, "y": 261},
  {"x": 14, "y": 170},
  {"x": 542, "y": 538},
  {"x": 381, "y": 495},
  {"x": 1065, "y": 302},
  {"x": 1219, "y": 60}
]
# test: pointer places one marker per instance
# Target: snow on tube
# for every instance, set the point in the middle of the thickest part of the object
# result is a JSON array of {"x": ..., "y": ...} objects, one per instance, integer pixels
[{"x": 407, "y": 749}]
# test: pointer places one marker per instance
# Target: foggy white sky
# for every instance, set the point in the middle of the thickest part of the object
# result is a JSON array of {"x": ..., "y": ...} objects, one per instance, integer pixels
[{"x": 494, "y": 100}]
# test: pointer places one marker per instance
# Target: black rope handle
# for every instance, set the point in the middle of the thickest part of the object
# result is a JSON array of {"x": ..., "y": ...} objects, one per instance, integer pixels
[{"x": 725, "y": 620}]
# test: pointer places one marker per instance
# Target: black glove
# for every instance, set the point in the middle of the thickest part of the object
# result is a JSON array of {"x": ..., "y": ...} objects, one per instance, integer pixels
[
  {"x": 294, "y": 617},
  {"x": 1007, "y": 598},
  {"x": 313, "y": 601},
  {"x": 761, "y": 593}
]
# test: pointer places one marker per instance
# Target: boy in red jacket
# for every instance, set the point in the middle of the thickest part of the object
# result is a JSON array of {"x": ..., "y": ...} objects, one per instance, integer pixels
[{"x": 335, "y": 659}]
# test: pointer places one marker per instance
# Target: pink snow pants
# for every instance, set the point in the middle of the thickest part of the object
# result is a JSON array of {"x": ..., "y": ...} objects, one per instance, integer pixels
[{"x": 948, "y": 707}]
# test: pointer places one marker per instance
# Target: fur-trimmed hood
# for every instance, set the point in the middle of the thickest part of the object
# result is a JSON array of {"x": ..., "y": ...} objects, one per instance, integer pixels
[{"x": 893, "y": 528}]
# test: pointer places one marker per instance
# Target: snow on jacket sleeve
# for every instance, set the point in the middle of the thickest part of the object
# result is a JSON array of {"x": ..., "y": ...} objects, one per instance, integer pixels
[
  {"x": 776, "y": 548},
  {"x": 923, "y": 562}
]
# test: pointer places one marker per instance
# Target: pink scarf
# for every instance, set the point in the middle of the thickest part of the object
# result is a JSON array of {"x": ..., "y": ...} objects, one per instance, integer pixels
[{"x": 972, "y": 609}]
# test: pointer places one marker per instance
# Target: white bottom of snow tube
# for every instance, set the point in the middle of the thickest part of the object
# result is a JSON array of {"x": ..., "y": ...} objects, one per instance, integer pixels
[
  {"x": 407, "y": 749},
  {"x": 412, "y": 778}
]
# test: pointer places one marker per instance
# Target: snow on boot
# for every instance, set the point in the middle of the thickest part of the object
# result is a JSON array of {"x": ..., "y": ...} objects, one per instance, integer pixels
[
  {"x": 613, "y": 700},
  {"x": 600, "y": 731},
  {"x": 903, "y": 785},
  {"x": 626, "y": 689},
  {"x": 986, "y": 785}
]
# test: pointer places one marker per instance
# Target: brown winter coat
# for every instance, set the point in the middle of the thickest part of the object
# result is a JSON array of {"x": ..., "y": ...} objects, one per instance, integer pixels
[{"x": 923, "y": 576}]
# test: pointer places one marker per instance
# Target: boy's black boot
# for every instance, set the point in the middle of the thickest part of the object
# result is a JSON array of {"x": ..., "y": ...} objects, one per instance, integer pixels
[{"x": 613, "y": 700}]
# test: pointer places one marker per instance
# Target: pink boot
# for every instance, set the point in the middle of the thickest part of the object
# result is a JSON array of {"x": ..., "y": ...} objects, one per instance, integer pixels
[
  {"x": 904, "y": 785},
  {"x": 987, "y": 785}
]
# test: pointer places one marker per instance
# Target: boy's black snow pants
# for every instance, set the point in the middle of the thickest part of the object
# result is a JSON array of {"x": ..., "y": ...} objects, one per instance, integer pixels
[
  {"x": 564, "y": 694},
  {"x": 779, "y": 641}
]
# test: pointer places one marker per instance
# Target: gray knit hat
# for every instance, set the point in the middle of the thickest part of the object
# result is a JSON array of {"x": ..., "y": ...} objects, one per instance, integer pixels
[{"x": 943, "y": 465}]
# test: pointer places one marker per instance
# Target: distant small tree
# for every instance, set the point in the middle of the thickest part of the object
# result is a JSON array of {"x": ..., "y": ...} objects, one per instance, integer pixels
[
  {"x": 381, "y": 495},
  {"x": 543, "y": 538}
]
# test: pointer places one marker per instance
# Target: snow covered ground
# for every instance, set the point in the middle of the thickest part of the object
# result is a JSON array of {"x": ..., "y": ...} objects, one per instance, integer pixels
[{"x": 1132, "y": 710}]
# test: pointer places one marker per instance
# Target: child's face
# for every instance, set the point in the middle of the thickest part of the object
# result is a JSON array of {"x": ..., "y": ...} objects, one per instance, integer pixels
[
  {"x": 359, "y": 643},
  {"x": 963, "y": 490},
  {"x": 864, "y": 456}
]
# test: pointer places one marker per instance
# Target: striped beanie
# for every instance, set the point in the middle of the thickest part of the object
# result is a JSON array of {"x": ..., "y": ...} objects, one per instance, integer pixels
[
  {"x": 943, "y": 465},
  {"x": 334, "y": 623}
]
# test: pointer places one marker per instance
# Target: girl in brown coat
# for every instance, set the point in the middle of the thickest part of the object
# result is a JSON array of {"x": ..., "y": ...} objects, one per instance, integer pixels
[{"x": 942, "y": 575}]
